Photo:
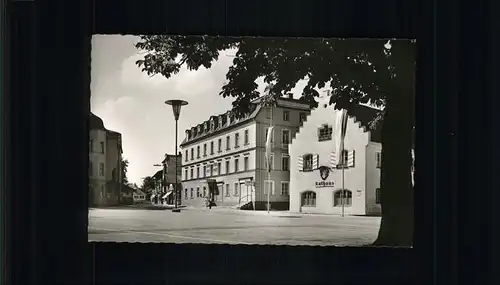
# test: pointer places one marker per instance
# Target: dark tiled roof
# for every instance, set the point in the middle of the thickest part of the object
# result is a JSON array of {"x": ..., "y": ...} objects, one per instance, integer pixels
[
  {"x": 158, "y": 174},
  {"x": 95, "y": 123},
  {"x": 255, "y": 108}
]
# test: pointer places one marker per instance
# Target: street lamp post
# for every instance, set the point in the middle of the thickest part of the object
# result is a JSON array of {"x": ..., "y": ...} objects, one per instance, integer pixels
[{"x": 176, "y": 108}]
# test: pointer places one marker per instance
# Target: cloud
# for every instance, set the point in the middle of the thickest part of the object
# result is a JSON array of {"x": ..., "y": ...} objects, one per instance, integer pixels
[{"x": 132, "y": 103}]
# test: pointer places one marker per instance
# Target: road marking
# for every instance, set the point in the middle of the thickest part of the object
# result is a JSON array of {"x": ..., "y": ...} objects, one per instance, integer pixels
[{"x": 171, "y": 235}]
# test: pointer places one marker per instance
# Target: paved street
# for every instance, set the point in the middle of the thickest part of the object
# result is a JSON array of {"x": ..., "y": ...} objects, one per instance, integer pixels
[{"x": 229, "y": 227}]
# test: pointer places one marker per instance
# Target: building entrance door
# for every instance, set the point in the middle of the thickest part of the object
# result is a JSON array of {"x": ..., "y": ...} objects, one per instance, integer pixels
[{"x": 220, "y": 197}]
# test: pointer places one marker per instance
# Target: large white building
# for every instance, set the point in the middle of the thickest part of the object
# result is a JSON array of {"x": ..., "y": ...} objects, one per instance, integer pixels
[
  {"x": 316, "y": 177},
  {"x": 105, "y": 156},
  {"x": 232, "y": 151}
]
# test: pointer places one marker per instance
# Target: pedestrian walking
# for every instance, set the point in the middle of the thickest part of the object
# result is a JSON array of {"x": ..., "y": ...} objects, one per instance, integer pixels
[{"x": 208, "y": 202}]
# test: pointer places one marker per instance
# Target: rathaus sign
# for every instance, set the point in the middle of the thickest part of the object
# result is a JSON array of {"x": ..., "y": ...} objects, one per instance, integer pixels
[{"x": 324, "y": 172}]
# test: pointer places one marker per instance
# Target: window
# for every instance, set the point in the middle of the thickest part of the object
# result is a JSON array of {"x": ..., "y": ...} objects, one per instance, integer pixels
[
  {"x": 102, "y": 147},
  {"x": 101, "y": 169},
  {"x": 377, "y": 196},
  {"x": 186, "y": 155},
  {"x": 285, "y": 163},
  {"x": 211, "y": 169},
  {"x": 309, "y": 199},
  {"x": 91, "y": 169},
  {"x": 302, "y": 117},
  {"x": 269, "y": 184},
  {"x": 344, "y": 158},
  {"x": 285, "y": 188},
  {"x": 378, "y": 157},
  {"x": 308, "y": 162},
  {"x": 220, "y": 145},
  {"x": 102, "y": 191},
  {"x": 192, "y": 194},
  {"x": 185, "y": 193},
  {"x": 246, "y": 137},
  {"x": 272, "y": 161},
  {"x": 204, "y": 191},
  {"x": 236, "y": 164},
  {"x": 245, "y": 163},
  {"x": 192, "y": 153},
  {"x": 198, "y": 152},
  {"x": 204, "y": 149},
  {"x": 236, "y": 140},
  {"x": 228, "y": 143},
  {"x": 227, "y": 166},
  {"x": 192, "y": 171},
  {"x": 268, "y": 112},
  {"x": 204, "y": 170},
  {"x": 236, "y": 189},
  {"x": 197, "y": 172},
  {"x": 337, "y": 198},
  {"x": 286, "y": 116},
  {"x": 186, "y": 174},
  {"x": 325, "y": 133},
  {"x": 227, "y": 190},
  {"x": 198, "y": 194},
  {"x": 91, "y": 145},
  {"x": 211, "y": 147},
  {"x": 219, "y": 170},
  {"x": 285, "y": 137}
]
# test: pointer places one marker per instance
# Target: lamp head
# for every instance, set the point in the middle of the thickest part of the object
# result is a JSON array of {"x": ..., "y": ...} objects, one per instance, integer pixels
[{"x": 176, "y": 107}]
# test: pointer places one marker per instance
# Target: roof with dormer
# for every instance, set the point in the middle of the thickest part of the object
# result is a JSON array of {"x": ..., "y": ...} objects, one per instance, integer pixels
[{"x": 226, "y": 121}]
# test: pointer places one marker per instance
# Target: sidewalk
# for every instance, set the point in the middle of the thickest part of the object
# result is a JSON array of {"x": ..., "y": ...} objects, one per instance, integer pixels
[
  {"x": 273, "y": 213},
  {"x": 142, "y": 206}
]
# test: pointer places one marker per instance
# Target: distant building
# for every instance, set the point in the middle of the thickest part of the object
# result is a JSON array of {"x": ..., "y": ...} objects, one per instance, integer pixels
[
  {"x": 105, "y": 151},
  {"x": 162, "y": 193},
  {"x": 231, "y": 151},
  {"x": 139, "y": 196},
  {"x": 316, "y": 176}
]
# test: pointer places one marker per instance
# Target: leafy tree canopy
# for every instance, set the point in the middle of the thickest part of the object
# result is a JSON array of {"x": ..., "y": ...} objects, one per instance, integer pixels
[
  {"x": 358, "y": 71},
  {"x": 377, "y": 72},
  {"x": 124, "y": 169}
]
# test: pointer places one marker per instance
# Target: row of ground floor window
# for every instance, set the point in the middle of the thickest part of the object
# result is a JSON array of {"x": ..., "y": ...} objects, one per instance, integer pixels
[
  {"x": 198, "y": 192},
  {"x": 336, "y": 201},
  {"x": 308, "y": 198}
]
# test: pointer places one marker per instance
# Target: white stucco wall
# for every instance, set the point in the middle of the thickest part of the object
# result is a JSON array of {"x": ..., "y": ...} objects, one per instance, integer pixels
[
  {"x": 372, "y": 178},
  {"x": 305, "y": 142}
]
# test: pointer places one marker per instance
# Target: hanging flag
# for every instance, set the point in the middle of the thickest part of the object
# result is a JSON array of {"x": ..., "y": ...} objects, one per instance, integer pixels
[
  {"x": 340, "y": 131},
  {"x": 269, "y": 147}
]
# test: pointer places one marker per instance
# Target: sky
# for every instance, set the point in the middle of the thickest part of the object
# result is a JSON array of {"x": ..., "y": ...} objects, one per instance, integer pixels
[{"x": 132, "y": 103}]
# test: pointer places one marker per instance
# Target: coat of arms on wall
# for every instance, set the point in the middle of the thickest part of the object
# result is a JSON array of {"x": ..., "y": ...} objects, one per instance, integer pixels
[{"x": 324, "y": 171}]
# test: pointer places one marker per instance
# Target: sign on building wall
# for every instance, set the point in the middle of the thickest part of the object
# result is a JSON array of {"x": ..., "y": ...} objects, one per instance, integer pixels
[{"x": 324, "y": 172}]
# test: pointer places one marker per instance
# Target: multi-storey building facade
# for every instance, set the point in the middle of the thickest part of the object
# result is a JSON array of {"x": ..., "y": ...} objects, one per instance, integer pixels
[
  {"x": 166, "y": 177},
  {"x": 105, "y": 151},
  {"x": 316, "y": 177},
  {"x": 232, "y": 152}
]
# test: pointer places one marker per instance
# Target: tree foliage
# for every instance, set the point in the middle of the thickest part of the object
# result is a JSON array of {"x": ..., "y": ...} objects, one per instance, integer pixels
[
  {"x": 378, "y": 72},
  {"x": 148, "y": 184},
  {"x": 124, "y": 169}
]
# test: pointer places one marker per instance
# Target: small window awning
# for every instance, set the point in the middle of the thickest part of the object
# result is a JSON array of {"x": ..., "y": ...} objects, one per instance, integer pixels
[{"x": 166, "y": 195}]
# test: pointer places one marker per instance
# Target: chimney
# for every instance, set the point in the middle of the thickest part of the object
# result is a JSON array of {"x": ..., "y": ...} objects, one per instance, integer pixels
[{"x": 289, "y": 95}]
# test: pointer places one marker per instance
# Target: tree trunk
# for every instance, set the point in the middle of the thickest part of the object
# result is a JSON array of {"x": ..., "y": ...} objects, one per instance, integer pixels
[{"x": 396, "y": 195}]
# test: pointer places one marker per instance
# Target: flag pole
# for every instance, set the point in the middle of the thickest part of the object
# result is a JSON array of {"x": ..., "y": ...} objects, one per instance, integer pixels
[
  {"x": 343, "y": 166},
  {"x": 269, "y": 162}
]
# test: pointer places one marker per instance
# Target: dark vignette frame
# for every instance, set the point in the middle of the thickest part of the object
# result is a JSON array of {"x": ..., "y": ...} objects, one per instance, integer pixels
[{"x": 48, "y": 149}]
